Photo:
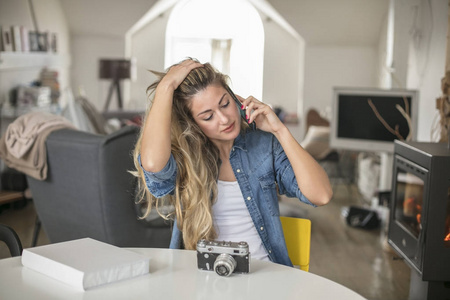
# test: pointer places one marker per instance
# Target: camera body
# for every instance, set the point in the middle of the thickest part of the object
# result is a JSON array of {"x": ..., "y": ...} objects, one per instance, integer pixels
[{"x": 223, "y": 257}]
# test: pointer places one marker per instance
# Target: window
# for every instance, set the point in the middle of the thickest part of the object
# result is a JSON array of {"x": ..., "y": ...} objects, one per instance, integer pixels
[{"x": 227, "y": 33}]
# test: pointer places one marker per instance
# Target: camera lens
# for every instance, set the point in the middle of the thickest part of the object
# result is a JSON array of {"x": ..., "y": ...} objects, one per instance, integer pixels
[{"x": 224, "y": 264}]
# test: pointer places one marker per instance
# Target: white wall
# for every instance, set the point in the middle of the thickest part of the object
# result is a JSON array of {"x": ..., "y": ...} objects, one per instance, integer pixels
[
  {"x": 87, "y": 50},
  {"x": 427, "y": 66},
  {"x": 97, "y": 30},
  {"x": 328, "y": 66},
  {"x": 283, "y": 77},
  {"x": 402, "y": 26},
  {"x": 283, "y": 63},
  {"x": 147, "y": 46},
  {"x": 385, "y": 50}
]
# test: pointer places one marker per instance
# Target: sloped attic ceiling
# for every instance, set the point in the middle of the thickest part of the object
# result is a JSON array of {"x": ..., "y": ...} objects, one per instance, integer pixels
[{"x": 337, "y": 22}]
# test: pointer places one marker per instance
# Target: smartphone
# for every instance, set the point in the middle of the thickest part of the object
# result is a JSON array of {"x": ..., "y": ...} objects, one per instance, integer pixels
[{"x": 239, "y": 105}]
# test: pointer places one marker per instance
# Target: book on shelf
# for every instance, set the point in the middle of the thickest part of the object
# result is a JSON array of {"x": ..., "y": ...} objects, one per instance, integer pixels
[
  {"x": 25, "y": 39},
  {"x": 17, "y": 39},
  {"x": 85, "y": 263},
  {"x": 7, "y": 44},
  {"x": 30, "y": 96}
]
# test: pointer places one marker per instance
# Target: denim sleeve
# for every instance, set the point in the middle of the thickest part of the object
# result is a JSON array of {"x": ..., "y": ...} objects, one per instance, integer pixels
[
  {"x": 163, "y": 182},
  {"x": 287, "y": 182}
]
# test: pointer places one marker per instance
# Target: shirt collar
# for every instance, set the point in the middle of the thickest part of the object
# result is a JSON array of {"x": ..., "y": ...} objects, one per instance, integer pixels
[{"x": 240, "y": 142}]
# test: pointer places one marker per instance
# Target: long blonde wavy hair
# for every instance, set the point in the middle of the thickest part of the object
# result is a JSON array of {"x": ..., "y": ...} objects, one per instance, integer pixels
[{"x": 197, "y": 160}]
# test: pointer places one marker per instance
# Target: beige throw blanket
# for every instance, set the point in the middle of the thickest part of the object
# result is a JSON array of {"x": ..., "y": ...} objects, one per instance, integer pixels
[{"x": 22, "y": 147}]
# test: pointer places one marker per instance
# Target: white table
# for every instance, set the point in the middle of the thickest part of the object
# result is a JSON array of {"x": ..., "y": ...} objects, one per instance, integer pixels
[{"x": 174, "y": 275}]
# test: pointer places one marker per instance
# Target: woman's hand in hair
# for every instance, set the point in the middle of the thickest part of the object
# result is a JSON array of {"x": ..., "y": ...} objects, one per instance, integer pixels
[
  {"x": 177, "y": 73},
  {"x": 263, "y": 115},
  {"x": 156, "y": 142}
]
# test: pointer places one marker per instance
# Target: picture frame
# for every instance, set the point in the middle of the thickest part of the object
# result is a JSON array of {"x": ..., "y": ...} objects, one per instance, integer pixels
[
  {"x": 43, "y": 41},
  {"x": 34, "y": 41},
  {"x": 38, "y": 41}
]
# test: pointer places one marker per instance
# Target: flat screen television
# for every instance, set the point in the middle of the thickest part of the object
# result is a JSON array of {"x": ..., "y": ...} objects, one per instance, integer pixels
[{"x": 361, "y": 118}]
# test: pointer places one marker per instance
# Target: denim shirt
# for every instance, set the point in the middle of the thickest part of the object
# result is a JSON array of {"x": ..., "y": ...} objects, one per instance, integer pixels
[{"x": 262, "y": 169}]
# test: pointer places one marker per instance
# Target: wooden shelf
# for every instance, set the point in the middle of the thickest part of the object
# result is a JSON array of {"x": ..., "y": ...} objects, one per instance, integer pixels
[
  {"x": 10, "y": 113},
  {"x": 10, "y": 196},
  {"x": 24, "y": 60}
]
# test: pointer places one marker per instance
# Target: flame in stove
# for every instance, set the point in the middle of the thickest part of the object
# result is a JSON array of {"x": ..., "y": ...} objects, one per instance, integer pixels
[
  {"x": 418, "y": 207},
  {"x": 418, "y": 218},
  {"x": 447, "y": 238}
]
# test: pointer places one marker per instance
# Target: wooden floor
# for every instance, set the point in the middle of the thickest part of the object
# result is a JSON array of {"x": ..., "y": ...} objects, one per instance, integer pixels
[
  {"x": 358, "y": 259},
  {"x": 352, "y": 257}
]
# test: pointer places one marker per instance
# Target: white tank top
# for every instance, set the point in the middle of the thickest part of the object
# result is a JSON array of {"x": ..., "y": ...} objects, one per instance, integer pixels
[{"x": 233, "y": 221}]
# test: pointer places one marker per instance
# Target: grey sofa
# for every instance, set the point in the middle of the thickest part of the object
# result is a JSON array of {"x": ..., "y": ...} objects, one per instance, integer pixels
[{"x": 90, "y": 193}]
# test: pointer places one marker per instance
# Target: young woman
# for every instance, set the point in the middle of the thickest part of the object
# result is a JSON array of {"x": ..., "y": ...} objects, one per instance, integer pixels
[{"x": 222, "y": 177}]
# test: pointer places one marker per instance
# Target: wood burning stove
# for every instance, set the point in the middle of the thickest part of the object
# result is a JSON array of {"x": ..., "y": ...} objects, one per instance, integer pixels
[{"x": 419, "y": 226}]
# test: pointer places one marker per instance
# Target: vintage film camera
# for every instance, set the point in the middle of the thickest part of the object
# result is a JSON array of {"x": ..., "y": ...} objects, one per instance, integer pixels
[{"x": 223, "y": 257}]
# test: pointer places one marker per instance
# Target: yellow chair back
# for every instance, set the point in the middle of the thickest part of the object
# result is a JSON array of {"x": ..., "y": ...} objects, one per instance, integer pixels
[{"x": 297, "y": 234}]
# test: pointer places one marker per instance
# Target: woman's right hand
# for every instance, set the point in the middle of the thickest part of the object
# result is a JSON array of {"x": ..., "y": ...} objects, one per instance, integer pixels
[
  {"x": 177, "y": 73},
  {"x": 156, "y": 137}
]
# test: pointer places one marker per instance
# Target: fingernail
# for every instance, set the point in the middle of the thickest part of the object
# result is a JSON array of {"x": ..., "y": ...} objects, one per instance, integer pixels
[{"x": 242, "y": 107}]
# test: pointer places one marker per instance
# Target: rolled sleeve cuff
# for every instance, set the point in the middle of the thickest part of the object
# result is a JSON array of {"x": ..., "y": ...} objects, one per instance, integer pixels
[
  {"x": 302, "y": 197},
  {"x": 163, "y": 182},
  {"x": 294, "y": 190}
]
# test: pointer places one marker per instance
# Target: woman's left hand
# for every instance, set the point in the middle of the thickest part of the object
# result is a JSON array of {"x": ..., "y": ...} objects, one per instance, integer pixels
[{"x": 263, "y": 115}]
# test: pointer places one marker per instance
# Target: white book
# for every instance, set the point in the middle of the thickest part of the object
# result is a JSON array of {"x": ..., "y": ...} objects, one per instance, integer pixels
[
  {"x": 85, "y": 263},
  {"x": 25, "y": 39},
  {"x": 17, "y": 39}
]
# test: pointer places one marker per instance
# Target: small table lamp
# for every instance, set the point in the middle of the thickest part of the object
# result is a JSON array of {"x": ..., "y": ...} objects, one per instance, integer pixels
[{"x": 116, "y": 70}]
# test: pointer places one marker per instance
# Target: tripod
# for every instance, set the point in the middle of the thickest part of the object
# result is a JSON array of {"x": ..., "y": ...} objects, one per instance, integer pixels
[{"x": 115, "y": 84}]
